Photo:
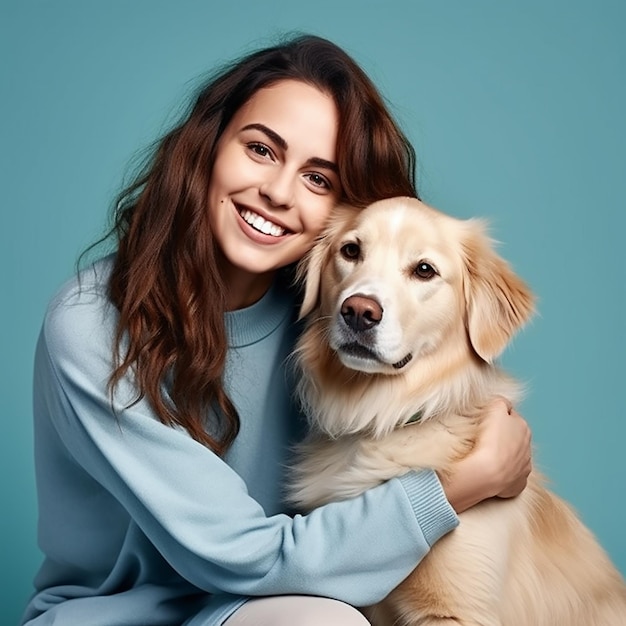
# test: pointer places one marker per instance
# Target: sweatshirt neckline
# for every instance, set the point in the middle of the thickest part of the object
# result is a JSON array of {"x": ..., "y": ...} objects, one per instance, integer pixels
[{"x": 254, "y": 323}]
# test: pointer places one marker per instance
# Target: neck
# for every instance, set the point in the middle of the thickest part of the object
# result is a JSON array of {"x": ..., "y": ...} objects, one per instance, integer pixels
[{"x": 244, "y": 289}]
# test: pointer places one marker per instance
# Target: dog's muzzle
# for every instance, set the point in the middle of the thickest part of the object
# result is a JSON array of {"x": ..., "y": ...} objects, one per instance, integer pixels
[{"x": 361, "y": 315}]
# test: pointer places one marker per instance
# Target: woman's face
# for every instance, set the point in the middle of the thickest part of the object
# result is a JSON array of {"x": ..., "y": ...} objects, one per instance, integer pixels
[{"x": 274, "y": 182}]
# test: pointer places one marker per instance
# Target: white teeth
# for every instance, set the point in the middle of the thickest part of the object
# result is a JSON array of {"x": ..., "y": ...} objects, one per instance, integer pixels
[{"x": 261, "y": 224}]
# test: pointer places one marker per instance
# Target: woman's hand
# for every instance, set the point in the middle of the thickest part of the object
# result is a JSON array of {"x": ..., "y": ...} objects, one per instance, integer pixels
[{"x": 499, "y": 464}]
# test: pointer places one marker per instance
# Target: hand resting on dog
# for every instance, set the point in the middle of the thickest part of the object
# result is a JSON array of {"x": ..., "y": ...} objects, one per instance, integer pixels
[{"x": 500, "y": 463}]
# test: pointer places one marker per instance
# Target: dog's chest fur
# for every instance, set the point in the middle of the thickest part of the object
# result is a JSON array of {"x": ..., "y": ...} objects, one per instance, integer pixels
[{"x": 391, "y": 426}]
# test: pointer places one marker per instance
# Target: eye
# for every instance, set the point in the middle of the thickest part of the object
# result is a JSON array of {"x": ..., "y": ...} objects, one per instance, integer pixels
[
  {"x": 351, "y": 251},
  {"x": 317, "y": 180},
  {"x": 260, "y": 149},
  {"x": 424, "y": 271}
]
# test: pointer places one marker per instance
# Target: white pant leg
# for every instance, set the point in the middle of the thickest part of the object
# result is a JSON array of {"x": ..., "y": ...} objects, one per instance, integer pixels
[{"x": 296, "y": 611}]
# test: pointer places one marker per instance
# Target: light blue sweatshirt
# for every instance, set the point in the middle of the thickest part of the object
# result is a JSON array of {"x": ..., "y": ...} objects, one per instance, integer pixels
[{"x": 140, "y": 524}]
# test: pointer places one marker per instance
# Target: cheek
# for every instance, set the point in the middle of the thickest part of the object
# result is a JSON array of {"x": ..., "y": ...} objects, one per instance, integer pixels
[
  {"x": 315, "y": 215},
  {"x": 229, "y": 170},
  {"x": 434, "y": 309}
]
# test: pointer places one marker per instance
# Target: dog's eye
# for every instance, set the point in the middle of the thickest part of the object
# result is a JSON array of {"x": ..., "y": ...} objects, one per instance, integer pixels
[
  {"x": 424, "y": 270},
  {"x": 350, "y": 251}
]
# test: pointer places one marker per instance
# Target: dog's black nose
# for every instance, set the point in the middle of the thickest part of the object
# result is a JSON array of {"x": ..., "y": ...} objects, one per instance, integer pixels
[{"x": 361, "y": 312}]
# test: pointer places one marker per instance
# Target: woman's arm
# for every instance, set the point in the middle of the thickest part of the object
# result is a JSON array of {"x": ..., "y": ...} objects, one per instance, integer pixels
[{"x": 190, "y": 504}]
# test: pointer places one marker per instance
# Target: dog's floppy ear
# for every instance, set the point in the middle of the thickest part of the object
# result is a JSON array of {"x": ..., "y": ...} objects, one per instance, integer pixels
[
  {"x": 309, "y": 274},
  {"x": 498, "y": 302}
]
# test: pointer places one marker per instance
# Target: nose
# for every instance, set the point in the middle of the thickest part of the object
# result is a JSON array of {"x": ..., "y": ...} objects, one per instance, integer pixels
[
  {"x": 278, "y": 190},
  {"x": 361, "y": 312}
]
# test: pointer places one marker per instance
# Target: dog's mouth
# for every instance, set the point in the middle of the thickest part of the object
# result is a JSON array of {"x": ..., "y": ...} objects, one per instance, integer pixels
[
  {"x": 402, "y": 362},
  {"x": 356, "y": 350}
]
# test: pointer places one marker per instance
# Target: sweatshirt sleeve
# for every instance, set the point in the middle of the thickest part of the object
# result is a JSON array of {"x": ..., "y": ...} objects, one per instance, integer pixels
[{"x": 196, "y": 510}]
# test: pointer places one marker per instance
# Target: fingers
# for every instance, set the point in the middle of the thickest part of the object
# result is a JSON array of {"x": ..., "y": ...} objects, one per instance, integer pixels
[
  {"x": 501, "y": 461},
  {"x": 516, "y": 486},
  {"x": 525, "y": 434},
  {"x": 514, "y": 489},
  {"x": 498, "y": 401},
  {"x": 507, "y": 436},
  {"x": 521, "y": 467}
]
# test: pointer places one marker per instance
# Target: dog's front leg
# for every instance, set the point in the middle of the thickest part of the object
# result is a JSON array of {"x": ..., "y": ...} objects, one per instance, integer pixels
[
  {"x": 433, "y": 444},
  {"x": 337, "y": 469}
]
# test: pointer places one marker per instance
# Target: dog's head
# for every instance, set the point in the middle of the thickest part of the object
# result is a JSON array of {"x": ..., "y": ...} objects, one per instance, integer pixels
[{"x": 399, "y": 281}]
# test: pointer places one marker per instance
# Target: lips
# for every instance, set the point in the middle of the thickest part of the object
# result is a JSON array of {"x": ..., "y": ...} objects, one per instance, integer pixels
[
  {"x": 357, "y": 350},
  {"x": 260, "y": 224},
  {"x": 360, "y": 351}
]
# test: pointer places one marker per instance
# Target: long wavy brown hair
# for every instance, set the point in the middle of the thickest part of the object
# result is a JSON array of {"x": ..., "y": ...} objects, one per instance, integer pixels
[{"x": 166, "y": 281}]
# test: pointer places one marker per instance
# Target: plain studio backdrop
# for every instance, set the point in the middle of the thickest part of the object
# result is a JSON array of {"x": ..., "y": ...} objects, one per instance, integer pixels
[{"x": 516, "y": 110}]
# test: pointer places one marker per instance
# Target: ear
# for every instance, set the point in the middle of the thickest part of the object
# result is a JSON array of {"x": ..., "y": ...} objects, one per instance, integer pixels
[
  {"x": 498, "y": 302},
  {"x": 309, "y": 271}
]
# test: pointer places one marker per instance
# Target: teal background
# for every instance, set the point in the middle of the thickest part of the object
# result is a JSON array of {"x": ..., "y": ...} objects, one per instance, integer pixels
[{"x": 516, "y": 110}]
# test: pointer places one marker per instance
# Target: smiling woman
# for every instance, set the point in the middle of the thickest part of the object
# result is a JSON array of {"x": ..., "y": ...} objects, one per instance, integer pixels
[
  {"x": 273, "y": 184},
  {"x": 163, "y": 405}
]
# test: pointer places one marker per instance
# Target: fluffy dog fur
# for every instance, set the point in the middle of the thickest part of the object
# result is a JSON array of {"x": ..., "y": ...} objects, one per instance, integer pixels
[{"x": 407, "y": 308}]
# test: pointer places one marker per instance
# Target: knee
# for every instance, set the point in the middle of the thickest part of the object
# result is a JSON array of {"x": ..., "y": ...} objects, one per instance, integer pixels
[
  {"x": 301, "y": 610},
  {"x": 328, "y": 612}
]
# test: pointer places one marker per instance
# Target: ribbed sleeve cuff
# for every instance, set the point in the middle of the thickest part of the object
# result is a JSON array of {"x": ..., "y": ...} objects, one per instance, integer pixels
[{"x": 434, "y": 514}]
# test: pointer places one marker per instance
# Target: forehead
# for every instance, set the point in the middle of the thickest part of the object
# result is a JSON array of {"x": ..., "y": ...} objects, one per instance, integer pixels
[
  {"x": 406, "y": 220},
  {"x": 297, "y": 111},
  {"x": 410, "y": 230}
]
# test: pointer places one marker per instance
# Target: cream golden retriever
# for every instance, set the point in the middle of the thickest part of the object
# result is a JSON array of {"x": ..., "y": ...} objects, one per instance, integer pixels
[{"x": 407, "y": 309}]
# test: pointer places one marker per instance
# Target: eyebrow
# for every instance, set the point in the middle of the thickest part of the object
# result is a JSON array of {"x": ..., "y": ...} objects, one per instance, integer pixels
[{"x": 278, "y": 140}]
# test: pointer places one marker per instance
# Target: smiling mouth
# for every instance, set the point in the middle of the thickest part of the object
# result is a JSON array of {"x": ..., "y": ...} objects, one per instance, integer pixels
[{"x": 260, "y": 223}]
